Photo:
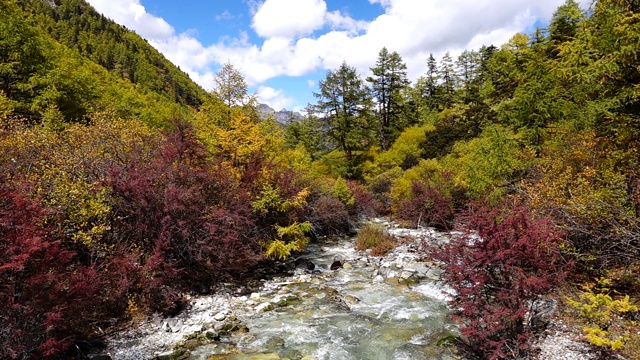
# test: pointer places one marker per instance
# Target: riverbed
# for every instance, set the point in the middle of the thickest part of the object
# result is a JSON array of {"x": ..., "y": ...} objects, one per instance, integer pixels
[{"x": 390, "y": 307}]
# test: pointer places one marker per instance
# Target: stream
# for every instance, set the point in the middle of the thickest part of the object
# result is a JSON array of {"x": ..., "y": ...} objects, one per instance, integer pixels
[{"x": 371, "y": 308}]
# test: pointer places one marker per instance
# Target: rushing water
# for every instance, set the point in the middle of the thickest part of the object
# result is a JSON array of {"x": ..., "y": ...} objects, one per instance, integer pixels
[{"x": 372, "y": 309}]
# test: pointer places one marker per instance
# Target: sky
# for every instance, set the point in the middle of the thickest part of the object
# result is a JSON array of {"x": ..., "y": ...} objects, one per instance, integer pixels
[{"x": 285, "y": 47}]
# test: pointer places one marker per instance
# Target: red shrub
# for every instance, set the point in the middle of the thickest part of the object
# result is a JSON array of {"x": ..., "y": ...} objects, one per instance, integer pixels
[
  {"x": 496, "y": 271},
  {"x": 366, "y": 202},
  {"x": 328, "y": 215},
  {"x": 183, "y": 211},
  {"x": 46, "y": 297},
  {"x": 427, "y": 206}
]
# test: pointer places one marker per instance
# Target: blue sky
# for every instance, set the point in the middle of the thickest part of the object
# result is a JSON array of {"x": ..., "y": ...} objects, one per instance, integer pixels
[{"x": 284, "y": 47}]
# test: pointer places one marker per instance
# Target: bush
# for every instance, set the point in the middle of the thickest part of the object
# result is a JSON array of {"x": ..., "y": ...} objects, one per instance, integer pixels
[
  {"x": 374, "y": 236},
  {"x": 328, "y": 215},
  {"x": 427, "y": 206},
  {"x": 503, "y": 261},
  {"x": 47, "y": 297},
  {"x": 604, "y": 317}
]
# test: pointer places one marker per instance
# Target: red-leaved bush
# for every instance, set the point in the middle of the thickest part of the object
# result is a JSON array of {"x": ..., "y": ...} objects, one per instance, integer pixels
[
  {"x": 427, "y": 206},
  {"x": 46, "y": 297},
  {"x": 186, "y": 213},
  {"x": 503, "y": 260}
]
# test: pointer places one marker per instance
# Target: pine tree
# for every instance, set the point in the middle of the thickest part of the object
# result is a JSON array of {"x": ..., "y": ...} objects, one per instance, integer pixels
[
  {"x": 388, "y": 83},
  {"x": 344, "y": 104}
]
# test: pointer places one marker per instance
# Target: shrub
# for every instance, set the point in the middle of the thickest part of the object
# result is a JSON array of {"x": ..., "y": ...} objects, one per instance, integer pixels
[
  {"x": 503, "y": 261},
  {"x": 604, "y": 317},
  {"x": 374, "y": 236},
  {"x": 328, "y": 215},
  {"x": 181, "y": 209},
  {"x": 427, "y": 206},
  {"x": 47, "y": 297}
]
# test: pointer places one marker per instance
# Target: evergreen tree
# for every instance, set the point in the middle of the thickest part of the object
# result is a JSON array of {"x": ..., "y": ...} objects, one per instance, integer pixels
[
  {"x": 344, "y": 104},
  {"x": 388, "y": 83},
  {"x": 447, "y": 75}
]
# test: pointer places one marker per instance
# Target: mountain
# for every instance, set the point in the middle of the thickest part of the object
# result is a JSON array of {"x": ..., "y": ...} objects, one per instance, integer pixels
[
  {"x": 77, "y": 25},
  {"x": 62, "y": 62},
  {"x": 283, "y": 116}
]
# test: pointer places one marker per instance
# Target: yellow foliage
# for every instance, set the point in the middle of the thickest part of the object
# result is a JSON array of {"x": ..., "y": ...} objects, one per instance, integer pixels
[
  {"x": 601, "y": 311},
  {"x": 342, "y": 192},
  {"x": 401, "y": 188},
  {"x": 291, "y": 238}
]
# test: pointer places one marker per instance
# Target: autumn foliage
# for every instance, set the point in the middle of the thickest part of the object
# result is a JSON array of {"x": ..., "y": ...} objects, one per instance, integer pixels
[{"x": 502, "y": 261}]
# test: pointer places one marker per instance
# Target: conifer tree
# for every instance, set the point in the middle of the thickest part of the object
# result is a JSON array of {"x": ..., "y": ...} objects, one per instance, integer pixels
[{"x": 388, "y": 83}]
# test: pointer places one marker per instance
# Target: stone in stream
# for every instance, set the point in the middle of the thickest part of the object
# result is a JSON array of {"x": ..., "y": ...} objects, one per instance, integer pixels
[
  {"x": 305, "y": 264},
  {"x": 264, "y": 307},
  {"x": 336, "y": 265}
]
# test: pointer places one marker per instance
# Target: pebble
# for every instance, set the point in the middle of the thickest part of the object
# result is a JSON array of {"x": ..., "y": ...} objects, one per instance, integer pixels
[{"x": 220, "y": 316}]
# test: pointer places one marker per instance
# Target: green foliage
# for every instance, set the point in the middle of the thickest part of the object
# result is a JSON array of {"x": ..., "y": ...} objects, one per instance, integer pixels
[
  {"x": 405, "y": 152},
  {"x": 489, "y": 164}
]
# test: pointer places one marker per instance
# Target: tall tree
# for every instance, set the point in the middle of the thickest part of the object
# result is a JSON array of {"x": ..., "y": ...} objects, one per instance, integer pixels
[
  {"x": 344, "y": 103},
  {"x": 388, "y": 82},
  {"x": 564, "y": 23},
  {"x": 447, "y": 75},
  {"x": 468, "y": 66},
  {"x": 231, "y": 88}
]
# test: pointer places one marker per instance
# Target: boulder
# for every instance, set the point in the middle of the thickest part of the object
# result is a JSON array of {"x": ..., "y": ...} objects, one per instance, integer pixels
[
  {"x": 336, "y": 265},
  {"x": 305, "y": 264}
]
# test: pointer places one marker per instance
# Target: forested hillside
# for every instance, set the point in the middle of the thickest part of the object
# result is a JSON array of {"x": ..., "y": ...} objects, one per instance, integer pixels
[{"x": 125, "y": 185}]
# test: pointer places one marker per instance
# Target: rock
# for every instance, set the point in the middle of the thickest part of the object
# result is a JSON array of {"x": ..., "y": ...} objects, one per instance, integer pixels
[
  {"x": 406, "y": 274},
  {"x": 254, "y": 296},
  {"x": 242, "y": 298},
  {"x": 305, "y": 264},
  {"x": 378, "y": 279},
  {"x": 100, "y": 357},
  {"x": 190, "y": 329},
  {"x": 321, "y": 295},
  {"x": 264, "y": 307},
  {"x": 220, "y": 316},
  {"x": 283, "y": 300},
  {"x": 251, "y": 302},
  {"x": 347, "y": 266},
  {"x": 336, "y": 265}
]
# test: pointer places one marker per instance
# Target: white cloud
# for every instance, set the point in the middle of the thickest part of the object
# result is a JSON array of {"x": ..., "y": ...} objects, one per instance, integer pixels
[
  {"x": 133, "y": 15},
  {"x": 413, "y": 28},
  {"x": 289, "y": 18},
  {"x": 276, "y": 99},
  {"x": 338, "y": 21},
  {"x": 226, "y": 15}
]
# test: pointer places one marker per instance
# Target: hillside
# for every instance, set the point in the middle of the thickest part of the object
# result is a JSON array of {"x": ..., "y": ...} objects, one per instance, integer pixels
[
  {"x": 96, "y": 66},
  {"x": 75, "y": 24}
]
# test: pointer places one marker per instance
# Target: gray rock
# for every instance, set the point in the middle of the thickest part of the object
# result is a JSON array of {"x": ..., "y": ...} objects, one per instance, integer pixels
[
  {"x": 264, "y": 307},
  {"x": 219, "y": 316}
]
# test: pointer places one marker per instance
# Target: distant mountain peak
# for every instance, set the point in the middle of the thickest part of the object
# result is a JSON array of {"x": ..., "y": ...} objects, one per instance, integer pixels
[{"x": 283, "y": 116}]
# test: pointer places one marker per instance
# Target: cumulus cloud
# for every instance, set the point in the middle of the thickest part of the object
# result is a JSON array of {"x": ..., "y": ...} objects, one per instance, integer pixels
[
  {"x": 133, "y": 15},
  {"x": 276, "y": 99},
  {"x": 302, "y": 36},
  {"x": 289, "y": 18}
]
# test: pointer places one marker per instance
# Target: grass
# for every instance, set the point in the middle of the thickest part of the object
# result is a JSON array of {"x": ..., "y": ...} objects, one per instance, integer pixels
[{"x": 374, "y": 236}]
